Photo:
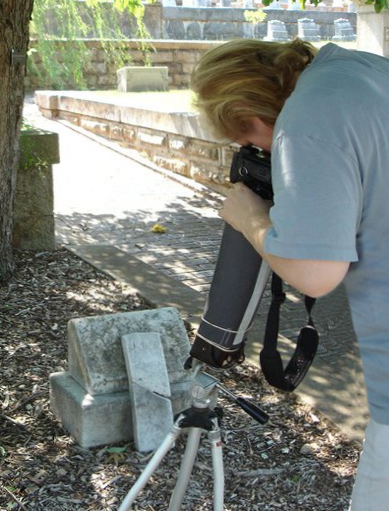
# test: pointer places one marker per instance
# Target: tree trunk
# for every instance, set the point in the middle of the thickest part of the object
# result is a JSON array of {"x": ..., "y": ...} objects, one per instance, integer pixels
[{"x": 14, "y": 34}]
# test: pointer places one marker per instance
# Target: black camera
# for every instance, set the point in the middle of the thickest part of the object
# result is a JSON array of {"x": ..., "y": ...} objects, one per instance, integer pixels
[
  {"x": 237, "y": 288},
  {"x": 240, "y": 276},
  {"x": 253, "y": 168}
]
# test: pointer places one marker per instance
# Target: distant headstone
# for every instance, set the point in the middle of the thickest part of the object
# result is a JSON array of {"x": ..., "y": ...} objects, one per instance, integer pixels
[
  {"x": 143, "y": 78},
  {"x": 276, "y": 31},
  {"x": 308, "y": 30},
  {"x": 343, "y": 30}
]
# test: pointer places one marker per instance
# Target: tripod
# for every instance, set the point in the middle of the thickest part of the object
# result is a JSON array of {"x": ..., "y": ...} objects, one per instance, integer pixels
[{"x": 200, "y": 417}]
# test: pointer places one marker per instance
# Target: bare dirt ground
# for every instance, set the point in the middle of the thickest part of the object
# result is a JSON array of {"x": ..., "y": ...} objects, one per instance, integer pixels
[{"x": 298, "y": 461}]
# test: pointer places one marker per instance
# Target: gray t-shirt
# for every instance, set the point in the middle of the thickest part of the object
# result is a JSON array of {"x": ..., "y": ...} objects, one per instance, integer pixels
[{"x": 330, "y": 170}]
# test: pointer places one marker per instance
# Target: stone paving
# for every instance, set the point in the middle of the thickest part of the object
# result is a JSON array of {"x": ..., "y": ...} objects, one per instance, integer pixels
[{"x": 103, "y": 198}]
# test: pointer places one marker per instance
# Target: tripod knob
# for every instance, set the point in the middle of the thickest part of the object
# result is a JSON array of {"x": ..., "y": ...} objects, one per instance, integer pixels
[{"x": 200, "y": 396}]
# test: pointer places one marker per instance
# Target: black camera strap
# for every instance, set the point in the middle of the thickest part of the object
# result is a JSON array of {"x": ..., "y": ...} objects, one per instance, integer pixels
[{"x": 307, "y": 343}]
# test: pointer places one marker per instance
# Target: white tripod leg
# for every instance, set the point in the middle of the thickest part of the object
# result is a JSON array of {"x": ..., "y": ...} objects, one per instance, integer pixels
[
  {"x": 218, "y": 470},
  {"x": 150, "y": 468},
  {"x": 185, "y": 469}
]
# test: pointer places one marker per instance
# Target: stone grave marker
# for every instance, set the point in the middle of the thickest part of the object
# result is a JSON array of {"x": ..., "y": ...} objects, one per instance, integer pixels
[
  {"x": 151, "y": 408},
  {"x": 143, "y": 78},
  {"x": 308, "y": 30},
  {"x": 343, "y": 30},
  {"x": 276, "y": 31},
  {"x": 92, "y": 398}
]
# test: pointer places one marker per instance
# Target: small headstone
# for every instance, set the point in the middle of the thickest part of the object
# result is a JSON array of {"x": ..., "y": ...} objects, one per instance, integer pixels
[
  {"x": 95, "y": 355},
  {"x": 276, "y": 31},
  {"x": 92, "y": 399},
  {"x": 151, "y": 409},
  {"x": 142, "y": 78},
  {"x": 343, "y": 30},
  {"x": 308, "y": 30}
]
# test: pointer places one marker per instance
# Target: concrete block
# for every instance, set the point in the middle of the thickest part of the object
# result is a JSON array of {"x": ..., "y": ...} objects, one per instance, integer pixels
[
  {"x": 100, "y": 420},
  {"x": 91, "y": 420},
  {"x": 152, "y": 415},
  {"x": 140, "y": 78},
  {"x": 95, "y": 356}
]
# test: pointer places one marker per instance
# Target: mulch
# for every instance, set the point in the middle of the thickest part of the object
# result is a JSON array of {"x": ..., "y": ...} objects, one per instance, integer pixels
[{"x": 298, "y": 461}]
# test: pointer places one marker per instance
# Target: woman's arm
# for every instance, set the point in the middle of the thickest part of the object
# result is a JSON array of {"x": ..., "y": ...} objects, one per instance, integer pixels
[{"x": 246, "y": 212}]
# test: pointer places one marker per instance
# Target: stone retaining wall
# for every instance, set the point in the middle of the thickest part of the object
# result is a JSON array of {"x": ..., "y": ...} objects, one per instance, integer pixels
[{"x": 174, "y": 141}]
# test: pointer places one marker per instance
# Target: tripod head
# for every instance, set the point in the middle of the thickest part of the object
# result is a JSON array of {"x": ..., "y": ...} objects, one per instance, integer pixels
[{"x": 204, "y": 388}]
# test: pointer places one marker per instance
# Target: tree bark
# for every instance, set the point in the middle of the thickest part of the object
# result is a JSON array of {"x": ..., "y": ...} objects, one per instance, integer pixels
[{"x": 14, "y": 35}]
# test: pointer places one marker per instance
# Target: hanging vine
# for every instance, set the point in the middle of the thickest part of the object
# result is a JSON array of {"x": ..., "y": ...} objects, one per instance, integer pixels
[{"x": 76, "y": 21}]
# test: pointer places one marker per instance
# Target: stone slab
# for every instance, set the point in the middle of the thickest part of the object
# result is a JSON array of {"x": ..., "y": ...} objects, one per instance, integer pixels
[
  {"x": 83, "y": 105},
  {"x": 91, "y": 420},
  {"x": 140, "y": 78},
  {"x": 151, "y": 410},
  {"x": 145, "y": 362},
  {"x": 95, "y": 354},
  {"x": 100, "y": 420},
  {"x": 152, "y": 418}
]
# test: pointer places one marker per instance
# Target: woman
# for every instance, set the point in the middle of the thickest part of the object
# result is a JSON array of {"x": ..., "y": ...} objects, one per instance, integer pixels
[{"x": 324, "y": 117}]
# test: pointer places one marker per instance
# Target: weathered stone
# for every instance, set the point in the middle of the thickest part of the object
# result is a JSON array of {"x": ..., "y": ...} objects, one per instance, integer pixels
[
  {"x": 100, "y": 128},
  {"x": 91, "y": 420},
  {"x": 104, "y": 419},
  {"x": 343, "y": 30},
  {"x": 151, "y": 410},
  {"x": 145, "y": 362},
  {"x": 150, "y": 138},
  {"x": 308, "y": 30},
  {"x": 152, "y": 418},
  {"x": 96, "y": 359},
  {"x": 139, "y": 78},
  {"x": 33, "y": 211},
  {"x": 276, "y": 31}
]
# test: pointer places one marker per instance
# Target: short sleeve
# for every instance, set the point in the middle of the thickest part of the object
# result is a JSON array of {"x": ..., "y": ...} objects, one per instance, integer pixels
[{"x": 317, "y": 200}]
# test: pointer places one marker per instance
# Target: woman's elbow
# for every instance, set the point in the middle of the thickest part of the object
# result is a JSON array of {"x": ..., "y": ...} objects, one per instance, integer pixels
[
  {"x": 322, "y": 277},
  {"x": 310, "y": 277}
]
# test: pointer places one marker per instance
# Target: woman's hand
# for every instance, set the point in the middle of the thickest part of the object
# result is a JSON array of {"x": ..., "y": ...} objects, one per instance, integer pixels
[{"x": 245, "y": 211}]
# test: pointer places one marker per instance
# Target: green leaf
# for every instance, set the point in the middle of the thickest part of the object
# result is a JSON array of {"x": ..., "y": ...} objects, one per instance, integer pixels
[{"x": 115, "y": 450}]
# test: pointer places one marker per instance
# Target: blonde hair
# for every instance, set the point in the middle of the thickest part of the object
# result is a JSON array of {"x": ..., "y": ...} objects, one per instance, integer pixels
[{"x": 247, "y": 78}]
